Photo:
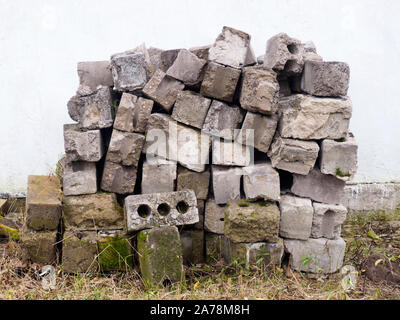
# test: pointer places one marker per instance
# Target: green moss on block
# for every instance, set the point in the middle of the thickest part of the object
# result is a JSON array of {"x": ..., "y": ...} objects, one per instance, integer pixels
[{"x": 115, "y": 253}]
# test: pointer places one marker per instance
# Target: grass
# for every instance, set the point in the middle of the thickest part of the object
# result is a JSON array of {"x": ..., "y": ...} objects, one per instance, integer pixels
[{"x": 19, "y": 280}]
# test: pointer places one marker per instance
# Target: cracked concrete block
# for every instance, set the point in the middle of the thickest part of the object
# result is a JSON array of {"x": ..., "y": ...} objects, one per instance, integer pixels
[
  {"x": 133, "y": 113},
  {"x": 258, "y": 131},
  {"x": 197, "y": 181},
  {"x": 327, "y": 220},
  {"x": 93, "y": 111},
  {"x": 230, "y": 48},
  {"x": 261, "y": 182},
  {"x": 293, "y": 155},
  {"x": 259, "y": 90},
  {"x": 163, "y": 89},
  {"x": 160, "y": 255},
  {"x": 316, "y": 255},
  {"x": 339, "y": 158},
  {"x": 284, "y": 54},
  {"x": 230, "y": 153},
  {"x": 130, "y": 71},
  {"x": 92, "y": 212},
  {"x": 251, "y": 222},
  {"x": 192, "y": 242},
  {"x": 43, "y": 203},
  {"x": 296, "y": 217},
  {"x": 201, "y": 52},
  {"x": 261, "y": 254},
  {"x": 191, "y": 108},
  {"x": 158, "y": 176},
  {"x": 226, "y": 183},
  {"x": 79, "y": 251},
  {"x": 161, "y": 209},
  {"x": 220, "y": 82},
  {"x": 125, "y": 148},
  {"x": 325, "y": 79},
  {"x": 217, "y": 247},
  {"x": 214, "y": 217},
  {"x": 118, "y": 178},
  {"x": 79, "y": 178},
  {"x": 311, "y": 118},
  {"x": 222, "y": 120},
  {"x": 82, "y": 145},
  {"x": 187, "y": 68},
  {"x": 170, "y": 140},
  {"x": 93, "y": 74},
  {"x": 318, "y": 187},
  {"x": 39, "y": 247}
]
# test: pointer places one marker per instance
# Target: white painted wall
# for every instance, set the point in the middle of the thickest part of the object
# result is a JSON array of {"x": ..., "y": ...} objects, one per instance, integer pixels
[{"x": 41, "y": 41}]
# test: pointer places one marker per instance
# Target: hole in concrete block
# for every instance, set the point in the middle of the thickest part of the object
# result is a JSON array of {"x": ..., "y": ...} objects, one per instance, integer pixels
[
  {"x": 164, "y": 209},
  {"x": 222, "y": 219},
  {"x": 144, "y": 210},
  {"x": 293, "y": 48},
  {"x": 182, "y": 207}
]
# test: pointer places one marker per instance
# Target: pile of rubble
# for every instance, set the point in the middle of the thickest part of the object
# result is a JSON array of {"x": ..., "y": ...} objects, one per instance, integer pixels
[{"x": 249, "y": 157}]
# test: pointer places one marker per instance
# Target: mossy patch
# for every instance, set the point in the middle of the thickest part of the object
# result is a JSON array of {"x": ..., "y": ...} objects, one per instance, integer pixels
[
  {"x": 11, "y": 233},
  {"x": 342, "y": 174},
  {"x": 115, "y": 254}
]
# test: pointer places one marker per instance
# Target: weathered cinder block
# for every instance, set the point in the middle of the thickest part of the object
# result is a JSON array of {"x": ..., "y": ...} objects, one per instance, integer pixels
[
  {"x": 316, "y": 255},
  {"x": 114, "y": 251},
  {"x": 167, "y": 139},
  {"x": 293, "y": 155},
  {"x": 79, "y": 251},
  {"x": 160, "y": 255},
  {"x": 261, "y": 254},
  {"x": 167, "y": 58},
  {"x": 251, "y": 222},
  {"x": 220, "y": 82},
  {"x": 222, "y": 120},
  {"x": 130, "y": 71},
  {"x": 191, "y": 108},
  {"x": 201, "y": 52},
  {"x": 39, "y": 247},
  {"x": 43, "y": 203},
  {"x": 327, "y": 220},
  {"x": 260, "y": 90},
  {"x": 197, "y": 181},
  {"x": 93, "y": 74},
  {"x": 318, "y": 187},
  {"x": 296, "y": 217},
  {"x": 118, "y": 178},
  {"x": 258, "y": 131},
  {"x": 158, "y": 176},
  {"x": 311, "y": 118},
  {"x": 230, "y": 153},
  {"x": 160, "y": 209},
  {"x": 79, "y": 178},
  {"x": 163, "y": 89},
  {"x": 187, "y": 68},
  {"x": 214, "y": 217},
  {"x": 133, "y": 113},
  {"x": 125, "y": 148},
  {"x": 230, "y": 48},
  {"x": 284, "y": 54},
  {"x": 339, "y": 158},
  {"x": 92, "y": 212},
  {"x": 310, "y": 52},
  {"x": 192, "y": 242},
  {"x": 226, "y": 183},
  {"x": 93, "y": 111},
  {"x": 261, "y": 181},
  {"x": 217, "y": 247},
  {"x": 325, "y": 79},
  {"x": 82, "y": 145}
]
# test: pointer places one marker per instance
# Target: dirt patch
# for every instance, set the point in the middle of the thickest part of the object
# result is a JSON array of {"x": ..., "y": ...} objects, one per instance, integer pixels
[{"x": 380, "y": 268}]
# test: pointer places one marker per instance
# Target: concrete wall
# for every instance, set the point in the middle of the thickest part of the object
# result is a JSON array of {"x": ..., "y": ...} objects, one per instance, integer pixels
[{"x": 41, "y": 41}]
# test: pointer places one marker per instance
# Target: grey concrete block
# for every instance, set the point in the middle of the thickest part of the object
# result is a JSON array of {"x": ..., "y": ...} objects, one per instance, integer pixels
[
  {"x": 93, "y": 74},
  {"x": 214, "y": 217},
  {"x": 118, "y": 178},
  {"x": 226, "y": 183},
  {"x": 201, "y": 52},
  {"x": 259, "y": 90},
  {"x": 192, "y": 246},
  {"x": 197, "y": 181},
  {"x": 160, "y": 209},
  {"x": 79, "y": 178},
  {"x": 230, "y": 153},
  {"x": 217, "y": 248},
  {"x": 158, "y": 176},
  {"x": 296, "y": 217},
  {"x": 327, "y": 220},
  {"x": 325, "y": 79},
  {"x": 293, "y": 155}
]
